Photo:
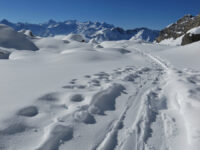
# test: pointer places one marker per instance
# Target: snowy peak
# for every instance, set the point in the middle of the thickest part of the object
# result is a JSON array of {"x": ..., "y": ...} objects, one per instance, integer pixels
[
  {"x": 115, "y": 34},
  {"x": 91, "y": 30}
]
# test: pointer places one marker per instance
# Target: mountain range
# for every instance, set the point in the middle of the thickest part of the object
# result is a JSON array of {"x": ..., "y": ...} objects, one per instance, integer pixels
[{"x": 91, "y": 30}]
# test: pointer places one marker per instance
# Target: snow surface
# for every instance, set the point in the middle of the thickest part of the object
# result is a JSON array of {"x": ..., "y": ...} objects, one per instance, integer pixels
[
  {"x": 118, "y": 95},
  {"x": 195, "y": 30},
  {"x": 172, "y": 42}
]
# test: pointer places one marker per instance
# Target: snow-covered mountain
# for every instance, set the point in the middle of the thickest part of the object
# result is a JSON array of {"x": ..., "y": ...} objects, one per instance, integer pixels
[{"x": 98, "y": 31}]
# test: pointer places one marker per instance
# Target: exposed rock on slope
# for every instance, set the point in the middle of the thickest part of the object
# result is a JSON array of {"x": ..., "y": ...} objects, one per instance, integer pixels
[
  {"x": 190, "y": 38},
  {"x": 9, "y": 38},
  {"x": 179, "y": 28},
  {"x": 4, "y": 54},
  {"x": 192, "y": 35}
]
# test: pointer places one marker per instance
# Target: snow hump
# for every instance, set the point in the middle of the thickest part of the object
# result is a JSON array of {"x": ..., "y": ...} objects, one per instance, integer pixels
[{"x": 9, "y": 38}]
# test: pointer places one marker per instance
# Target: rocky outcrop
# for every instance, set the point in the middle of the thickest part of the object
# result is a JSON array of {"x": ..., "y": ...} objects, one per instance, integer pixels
[
  {"x": 4, "y": 54},
  {"x": 190, "y": 38},
  {"x": 28, "y": 33},
  {"x": 179, "y": 28}
]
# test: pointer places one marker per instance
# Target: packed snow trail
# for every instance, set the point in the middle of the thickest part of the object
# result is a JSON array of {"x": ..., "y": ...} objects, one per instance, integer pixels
[
  {"x": 181, "y": 101},
  {"x": 131, "y": 107}
]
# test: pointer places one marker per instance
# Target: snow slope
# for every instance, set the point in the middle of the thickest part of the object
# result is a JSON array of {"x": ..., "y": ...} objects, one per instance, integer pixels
[
  {"x": 118, "y": 95},
  {"x": 172, "y": 42},
  {"x": 184, "y": 56}
]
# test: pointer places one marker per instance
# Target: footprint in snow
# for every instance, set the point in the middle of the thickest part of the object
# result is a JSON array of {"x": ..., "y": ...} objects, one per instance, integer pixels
[
  {"x": 30, "y": 111},
  {"x": 195, "y": 79},
  {"x": 73, "y": 81},
  {"x": 14, "y": 129},
  {"x": 51, "y": 97},
  {"x": 74, "y": 87},
  {"x": 195, "y": 93},
  {"x": 77, "y": 98}
]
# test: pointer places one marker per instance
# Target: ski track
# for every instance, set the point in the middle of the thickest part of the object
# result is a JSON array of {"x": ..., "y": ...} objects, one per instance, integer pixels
[{"x": 61, "y": 116}]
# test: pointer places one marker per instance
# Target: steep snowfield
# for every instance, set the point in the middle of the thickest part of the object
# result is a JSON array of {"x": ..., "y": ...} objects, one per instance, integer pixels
[
  {"x": 118, "y": 95},
  {"x": 194, "y": 30},
  {"x": 12, "y": 39}
]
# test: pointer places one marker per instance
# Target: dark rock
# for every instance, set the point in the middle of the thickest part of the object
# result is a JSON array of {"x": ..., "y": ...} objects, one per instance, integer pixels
[
  {"x": 4, "y": 54},
  {"x": 190, "y": 38}
]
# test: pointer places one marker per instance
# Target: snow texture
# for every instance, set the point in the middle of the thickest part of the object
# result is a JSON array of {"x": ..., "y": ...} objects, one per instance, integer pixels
[{"x": 111, "y": 95}]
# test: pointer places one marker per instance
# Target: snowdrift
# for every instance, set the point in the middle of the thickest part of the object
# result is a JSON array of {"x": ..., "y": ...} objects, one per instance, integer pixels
[{"x": 75, "y": 37}]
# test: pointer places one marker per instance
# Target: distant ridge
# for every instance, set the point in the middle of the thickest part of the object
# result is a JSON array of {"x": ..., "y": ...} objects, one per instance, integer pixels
[{"x": 98, "y": 31}]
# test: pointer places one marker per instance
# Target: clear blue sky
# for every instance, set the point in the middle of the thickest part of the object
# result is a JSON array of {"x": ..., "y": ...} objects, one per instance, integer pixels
[{"x": 154, "y": 14}]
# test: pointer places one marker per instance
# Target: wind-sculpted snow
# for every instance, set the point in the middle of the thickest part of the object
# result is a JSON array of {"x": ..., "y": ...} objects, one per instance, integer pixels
[
  {"x": 105, "y": 100},
  {"x": 58, "y": 135},
  {"x": 4, "y": 54},
  {"x": 12, "y": 39}
]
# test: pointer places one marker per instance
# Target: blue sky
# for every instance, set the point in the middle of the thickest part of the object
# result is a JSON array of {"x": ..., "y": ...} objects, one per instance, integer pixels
[{"x": 155, "y": 14}]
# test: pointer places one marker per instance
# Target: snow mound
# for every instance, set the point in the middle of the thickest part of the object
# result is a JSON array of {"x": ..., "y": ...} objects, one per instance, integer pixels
[
  {"x": 12, "y": 39},
  {"x": 194, "y": 30},
  {"x": 75, "y": 37}
]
